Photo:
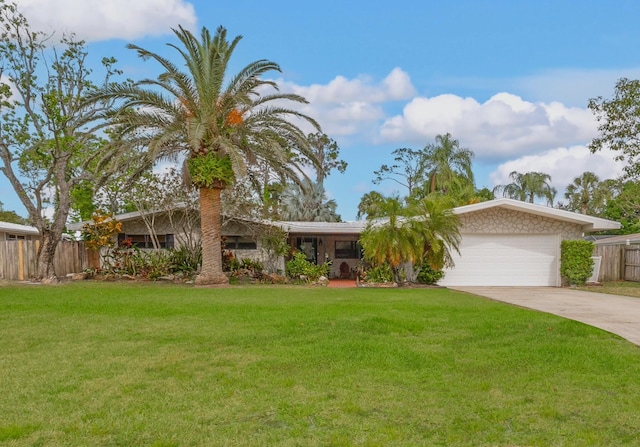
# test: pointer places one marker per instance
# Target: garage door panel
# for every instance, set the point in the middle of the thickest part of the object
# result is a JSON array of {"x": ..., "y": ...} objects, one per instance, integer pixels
[{"x": 506, "y": 260}]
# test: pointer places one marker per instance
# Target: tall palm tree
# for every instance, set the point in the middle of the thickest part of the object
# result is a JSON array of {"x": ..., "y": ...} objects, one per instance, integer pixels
[
  {"x": 220, "y": 122},
  {"x": 582, "y": 191},
  {"x": 308, "y": 203},
  {"x": 448, "y": 163},
  {"x": 527, "y": 187}
]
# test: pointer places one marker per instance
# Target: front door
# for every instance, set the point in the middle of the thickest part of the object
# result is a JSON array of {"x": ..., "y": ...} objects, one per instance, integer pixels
[{"x": 309, "y": 246}]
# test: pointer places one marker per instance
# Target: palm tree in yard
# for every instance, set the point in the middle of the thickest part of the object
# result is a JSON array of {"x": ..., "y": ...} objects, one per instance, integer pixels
[
  {"x": 448, "y": 163},
  {"x": 308, "y": 203},
  {"x": 528, "y": 186},
  {"x": 425, "y": 230},
  {"x": 221, "y": 123},
  {"x": 583, "y": 191}
]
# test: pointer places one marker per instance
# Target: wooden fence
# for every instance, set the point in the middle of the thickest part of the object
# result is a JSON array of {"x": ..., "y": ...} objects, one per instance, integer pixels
[
  {"x": 619, "y": 262},
  {"x": 18, "y": 259}
]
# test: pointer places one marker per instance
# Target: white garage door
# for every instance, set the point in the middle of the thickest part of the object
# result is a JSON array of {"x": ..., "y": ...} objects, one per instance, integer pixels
[{"x": 506, "y": 260}]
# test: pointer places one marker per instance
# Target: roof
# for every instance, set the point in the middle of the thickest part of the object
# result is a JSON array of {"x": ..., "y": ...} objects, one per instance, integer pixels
[
  {"x": 619, "y": 240},
  {"x": 352, "y": 227},
  {"x": 8, "y": 227},
  {"x": 133, "y": 215},
  {"x": 588, "y": 223}
]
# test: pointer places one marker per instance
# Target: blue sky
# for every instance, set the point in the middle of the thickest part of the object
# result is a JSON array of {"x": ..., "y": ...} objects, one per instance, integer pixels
[{"x": 509, "y": 79}]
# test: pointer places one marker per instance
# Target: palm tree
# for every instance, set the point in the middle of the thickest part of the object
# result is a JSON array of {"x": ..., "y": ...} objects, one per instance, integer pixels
[
  {"x": 390, "y": 239},
  {"x": 582, "y": 192},
  {"x": 308, "y": 203},
  {"x": 426, "y": 230},
  {"x": 438, "y": 226},
  {"x": 370, "y": 205},
  {"x": 527, "y": 187},
  {"x": 449, "y": 163},
  {"x": 221, "y": 128}
]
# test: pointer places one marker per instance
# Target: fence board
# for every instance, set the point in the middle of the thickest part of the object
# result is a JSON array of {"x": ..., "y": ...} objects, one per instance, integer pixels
[
  {"x": 612, "y": 265},
  {"x": 632, "y": 263},
  {"x": 18, "y": 259}
]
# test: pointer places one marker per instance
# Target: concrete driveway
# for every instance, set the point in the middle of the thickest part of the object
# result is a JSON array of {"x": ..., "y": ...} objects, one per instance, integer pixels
[{"x": 617, "y": 314}]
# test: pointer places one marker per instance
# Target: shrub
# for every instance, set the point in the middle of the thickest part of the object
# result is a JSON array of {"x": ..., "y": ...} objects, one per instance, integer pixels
[
  {"x": 298, "y": 267},
  {"x": 124, "y": 259},
  {"x": 576, "y": 264},
  {"x": 155, "y": 264},
  {"x": 252, "y": 265},
  {"x": 246, "y": 266},
  {"x": 185, "y": 260},
  {"x": 229, "y": 261},
  {"x": 429, "y": 275},
  {"x": 379, "y": 274}
]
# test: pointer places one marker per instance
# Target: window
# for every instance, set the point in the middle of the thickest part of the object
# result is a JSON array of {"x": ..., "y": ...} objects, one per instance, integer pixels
[
  {"x": 347, "y": 250},
  {"x": 16, "y": 237},
  {"x": 145, "y": 241},
  {"x": 240, "y": 243}
]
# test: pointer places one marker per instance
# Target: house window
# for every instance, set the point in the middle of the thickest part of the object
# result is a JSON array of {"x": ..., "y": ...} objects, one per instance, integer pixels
[
  {"x": 16, "y": 237},
  {"x": 240, "y": 243},
  {"x": 145, "y": 241},
  {"x": 347, "y": 250}
]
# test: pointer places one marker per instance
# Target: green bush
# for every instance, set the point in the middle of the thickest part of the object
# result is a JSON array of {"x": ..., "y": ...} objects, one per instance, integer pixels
[
  {"x": 298, "y": 267},
  {"x": 155, "y": 264},
  {"x": 185, "y": 260},
  {"x": 379, "y": 274},
  {"x": 429, "y": 275},
  {"x": 576, "y": 264}
]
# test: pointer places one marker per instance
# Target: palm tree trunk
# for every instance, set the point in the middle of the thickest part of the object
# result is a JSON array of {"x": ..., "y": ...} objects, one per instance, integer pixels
[{"x": 210, "y": 227}]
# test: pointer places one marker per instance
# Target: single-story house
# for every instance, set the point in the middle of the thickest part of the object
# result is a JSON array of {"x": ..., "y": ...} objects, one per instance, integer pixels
[
  {"x": 505, "y": 242},
  {"x": 14, "y": 232}
]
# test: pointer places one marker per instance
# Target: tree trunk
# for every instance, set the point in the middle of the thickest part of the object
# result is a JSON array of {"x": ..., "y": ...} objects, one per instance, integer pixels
[
  {"x": 210, "y": 228},
  {"x": 46, "y": 252}
]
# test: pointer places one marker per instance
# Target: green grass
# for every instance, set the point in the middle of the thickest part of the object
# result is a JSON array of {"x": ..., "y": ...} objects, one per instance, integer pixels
[
  {"x": 150, "y": 365},
  {"x": 624, "y": 288}
]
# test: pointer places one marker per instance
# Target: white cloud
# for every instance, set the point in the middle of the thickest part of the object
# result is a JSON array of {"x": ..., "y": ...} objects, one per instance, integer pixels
[
  {"x": 102, "y": 20},
  {"x": 562, "y": 164},
  {"x": 503, "y": 126},
  {"x": 396, "y": 86},
  {"x": 351, "y": 106}
]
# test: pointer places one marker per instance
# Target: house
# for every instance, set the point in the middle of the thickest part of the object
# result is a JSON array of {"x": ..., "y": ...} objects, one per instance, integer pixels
[
  {"x": 505, "y": 242},
  {"x": 15, "y": 232}
]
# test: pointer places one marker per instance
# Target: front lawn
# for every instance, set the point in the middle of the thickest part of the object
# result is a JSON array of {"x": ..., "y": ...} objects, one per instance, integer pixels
[{"x": 162, "y": 365}]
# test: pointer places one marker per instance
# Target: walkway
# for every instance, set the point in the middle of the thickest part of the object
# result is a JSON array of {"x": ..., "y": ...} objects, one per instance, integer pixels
[
  {"x": 342, "y": 283},
  {"x": 617, "y": 314}
]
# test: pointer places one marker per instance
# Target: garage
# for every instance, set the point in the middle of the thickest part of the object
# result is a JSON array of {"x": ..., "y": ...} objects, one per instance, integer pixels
[{"x": 506, "y": 260}]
